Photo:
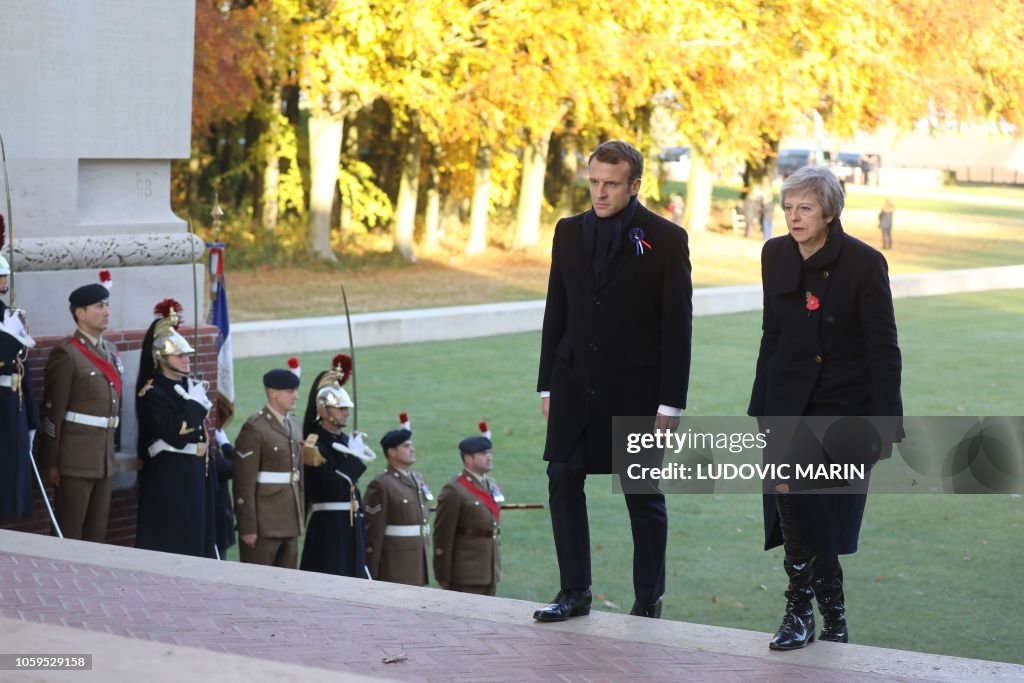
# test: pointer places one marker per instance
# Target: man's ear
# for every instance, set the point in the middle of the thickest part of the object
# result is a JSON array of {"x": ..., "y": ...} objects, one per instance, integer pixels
[{"x": 634, "y": 186}]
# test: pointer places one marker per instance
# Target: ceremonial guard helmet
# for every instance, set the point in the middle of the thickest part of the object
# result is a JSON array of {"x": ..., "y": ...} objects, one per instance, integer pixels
[
  {"x": 329, "y": 389},
  {"x": 167, "y": 341}
]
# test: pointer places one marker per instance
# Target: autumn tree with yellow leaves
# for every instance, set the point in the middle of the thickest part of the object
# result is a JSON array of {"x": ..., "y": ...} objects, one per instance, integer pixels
[{"x": 357, "y": 117}]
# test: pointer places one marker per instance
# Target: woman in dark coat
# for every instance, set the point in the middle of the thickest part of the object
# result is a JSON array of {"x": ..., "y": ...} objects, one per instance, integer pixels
[
  {"x": 177, "y": 481},
  {"x": 335, "y": 531},
  {"x": 828, "y": 348}
]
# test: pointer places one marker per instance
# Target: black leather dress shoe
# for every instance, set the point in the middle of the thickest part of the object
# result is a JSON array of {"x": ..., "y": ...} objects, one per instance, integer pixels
[
  {"x": 652, "y": 610},
  {"x": 568, "y": 603}
]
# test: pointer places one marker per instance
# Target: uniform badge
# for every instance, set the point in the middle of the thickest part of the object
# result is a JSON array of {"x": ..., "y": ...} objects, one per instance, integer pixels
[
  {"x": 117, "y": 362},
  {"x": 145, "y": 389},
  {"x": 373, "y": 509},
  {"x": 245, "y": 455},
  {"x": 496, "y": 493},
  {"x": 424, "y": 488},
  {"x": 185, "y": 429}
]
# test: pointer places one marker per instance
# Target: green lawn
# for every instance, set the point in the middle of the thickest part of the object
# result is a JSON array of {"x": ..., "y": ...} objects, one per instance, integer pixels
[
  {"x": 950, "y": 206},
  {"x": 934, "y": 573}
]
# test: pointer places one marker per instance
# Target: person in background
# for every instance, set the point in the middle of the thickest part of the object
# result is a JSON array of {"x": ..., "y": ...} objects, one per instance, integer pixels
[
  {"x": 397, "y": 504},
  {"x": 177, "y": 481},
  {"x": 268, "y": 481},
  {"x": 80, "y": 415},
  {"x": 467, "y": 544},
  {"x": 885, "y": 223},
  {"x": 333, "y": 462},
  {"x": 18, "y": 413}
]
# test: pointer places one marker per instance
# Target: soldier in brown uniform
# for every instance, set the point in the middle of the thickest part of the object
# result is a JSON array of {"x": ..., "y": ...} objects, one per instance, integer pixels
[
  {"x": 396, "y": 504},
  {"x": 81, "y": 402},
  {"x": 467, "y": 549},
  {"x": 268, "y": 477}
]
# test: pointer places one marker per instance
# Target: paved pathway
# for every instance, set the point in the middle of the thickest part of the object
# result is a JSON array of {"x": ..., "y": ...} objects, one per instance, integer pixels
[{"x": 350, "y": 626}]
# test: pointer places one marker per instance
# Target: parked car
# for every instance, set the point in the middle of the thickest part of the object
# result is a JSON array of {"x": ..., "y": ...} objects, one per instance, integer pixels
[
  {"x": 849, "y": 166},
  {"x": 789, "y": 160},
  {"x": 675, "y": 163}
]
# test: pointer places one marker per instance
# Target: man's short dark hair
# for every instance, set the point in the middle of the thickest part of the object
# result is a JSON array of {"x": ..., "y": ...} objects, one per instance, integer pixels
[{"x": 617, "y": 152}]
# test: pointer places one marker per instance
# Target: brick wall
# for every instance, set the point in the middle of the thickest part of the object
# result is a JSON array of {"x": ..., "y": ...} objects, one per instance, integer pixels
[{"x": 123, "y": 506}]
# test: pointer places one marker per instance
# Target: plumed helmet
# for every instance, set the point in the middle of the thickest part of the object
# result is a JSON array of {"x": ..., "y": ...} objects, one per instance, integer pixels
[
  {"x": 334, "y": 397},
  {"x": 329, "y": 391},
  {"x": 167, "y": 341}
]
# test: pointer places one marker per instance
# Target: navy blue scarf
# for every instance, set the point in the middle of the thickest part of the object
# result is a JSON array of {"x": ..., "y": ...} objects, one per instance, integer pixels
[{"x": 603, "y": 237}]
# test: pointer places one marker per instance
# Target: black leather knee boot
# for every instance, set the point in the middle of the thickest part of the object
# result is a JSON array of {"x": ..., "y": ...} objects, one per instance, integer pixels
[
  {"x": 828, "y": 589},
  {"x": 797, "y": 629}
]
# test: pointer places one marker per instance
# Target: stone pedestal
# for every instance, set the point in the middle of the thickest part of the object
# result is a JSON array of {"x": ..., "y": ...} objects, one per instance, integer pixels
[{"x": 97, "y": 99}]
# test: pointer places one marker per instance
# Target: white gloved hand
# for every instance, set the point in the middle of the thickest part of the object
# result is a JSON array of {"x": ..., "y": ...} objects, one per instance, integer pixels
[
  {"x": 357, "y": 444},
  {"x": 220, "y": 437},
  {"x": 197, "y": 392},
  {"x": 13, "y": 326}
]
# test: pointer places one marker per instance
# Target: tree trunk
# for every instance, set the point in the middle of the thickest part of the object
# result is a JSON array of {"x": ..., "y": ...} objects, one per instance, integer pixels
[
  {"x": 481, "y": 202},
  {"x": 698, "y": 193},
  {"x": 272, "y": 170},
  {"x": 324, "y": 156},
  {"x": 351, "y": 145},
  {"x": 432, "y": 213},
  {"x": 531, "y": 193},
  {"x": 408, "y": 192}
]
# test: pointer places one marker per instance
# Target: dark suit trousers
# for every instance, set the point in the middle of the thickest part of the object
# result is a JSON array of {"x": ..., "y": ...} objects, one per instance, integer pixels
[{"x": 648, "y": 518}]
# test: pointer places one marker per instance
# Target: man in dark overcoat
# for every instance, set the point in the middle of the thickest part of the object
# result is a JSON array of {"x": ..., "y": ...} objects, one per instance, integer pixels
[{"x": 616, "y": 342}]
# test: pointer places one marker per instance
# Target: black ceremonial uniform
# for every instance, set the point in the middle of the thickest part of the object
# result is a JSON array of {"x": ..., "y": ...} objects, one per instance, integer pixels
[
  {"x": 177, "y": 482},
  {"x": 335, "y": 533},
  {"x": 18, "y": 415},
  {"x": 224, "y": 512}
]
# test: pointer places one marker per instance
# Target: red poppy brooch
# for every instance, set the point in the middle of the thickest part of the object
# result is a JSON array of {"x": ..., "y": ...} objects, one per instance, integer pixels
[{"x": 812, "y": 302}]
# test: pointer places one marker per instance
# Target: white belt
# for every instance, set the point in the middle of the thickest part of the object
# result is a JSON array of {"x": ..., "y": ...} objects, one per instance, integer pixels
[
  {"x": 318, "y": 507},
  {"x": 6, "y": 381},
  {"x": 160, "y": 445},
  {"x": 92, "y": 420},
  {"x": 407, "y": 530},
  {"x": 276, "y": 477}
]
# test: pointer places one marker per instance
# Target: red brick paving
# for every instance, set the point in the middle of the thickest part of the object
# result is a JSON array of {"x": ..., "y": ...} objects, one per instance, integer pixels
[{"x": 337, "y": 635}]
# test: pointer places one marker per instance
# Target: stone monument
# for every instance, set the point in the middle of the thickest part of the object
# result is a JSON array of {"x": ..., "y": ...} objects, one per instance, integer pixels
[{"x": 95, "y": 102}]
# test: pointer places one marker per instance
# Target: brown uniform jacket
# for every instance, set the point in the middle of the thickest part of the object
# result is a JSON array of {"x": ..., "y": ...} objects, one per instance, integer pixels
[
  {"x": 73, "y": 383},
  {"x": 395, "y": 499},
  {"x": 467, "y": 549},
  {"x": 265, "y": 445}
]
